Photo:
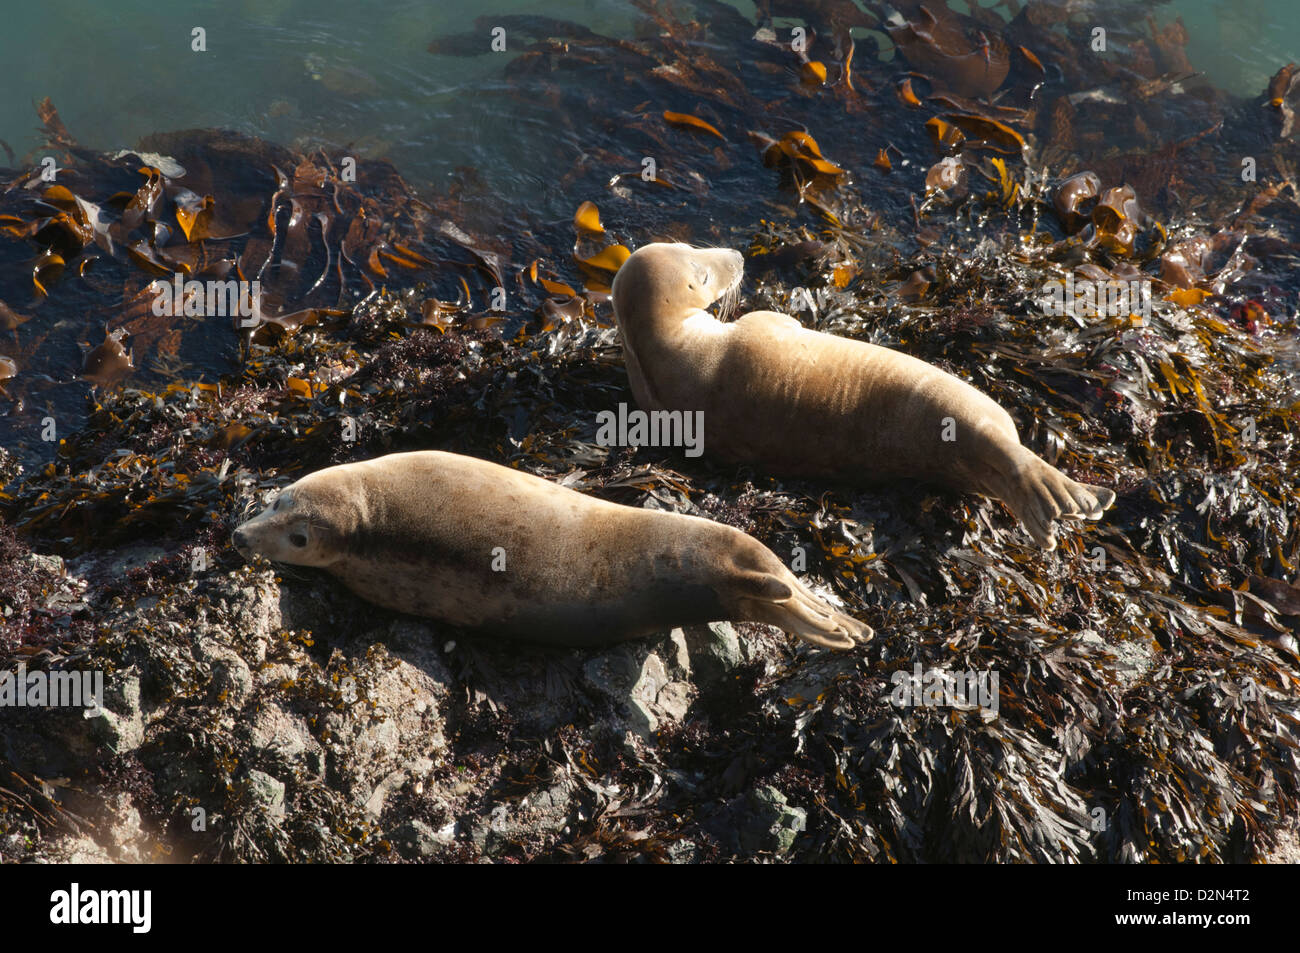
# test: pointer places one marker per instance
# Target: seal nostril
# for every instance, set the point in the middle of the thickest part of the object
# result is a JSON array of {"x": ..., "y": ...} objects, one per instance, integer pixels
[{"x": 239, "y": 538}]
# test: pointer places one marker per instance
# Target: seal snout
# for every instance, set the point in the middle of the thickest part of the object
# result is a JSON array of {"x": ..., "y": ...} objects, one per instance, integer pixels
[{"x": 241, "y": 541}]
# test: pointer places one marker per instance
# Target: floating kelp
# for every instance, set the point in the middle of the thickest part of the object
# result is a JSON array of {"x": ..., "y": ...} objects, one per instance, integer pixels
[
  {"x": 293, "y": 236},
  {"x": 953, "y": 49},
  {"x": 110, "y": 361}
]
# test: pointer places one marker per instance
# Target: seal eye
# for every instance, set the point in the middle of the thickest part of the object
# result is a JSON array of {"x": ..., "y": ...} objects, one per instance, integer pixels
[{"x": 298, "y": 539}]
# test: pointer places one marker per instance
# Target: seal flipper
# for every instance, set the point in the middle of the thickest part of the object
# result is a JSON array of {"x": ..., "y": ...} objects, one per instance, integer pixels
[
  {"x": 1039, "y": 495},
  {"x": 795, "y": 610}
]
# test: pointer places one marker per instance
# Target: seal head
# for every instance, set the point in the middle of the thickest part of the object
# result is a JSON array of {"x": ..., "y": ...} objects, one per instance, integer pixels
[
  {"x": 671, "y": 285},
  {"x": 305, "y": 525}
]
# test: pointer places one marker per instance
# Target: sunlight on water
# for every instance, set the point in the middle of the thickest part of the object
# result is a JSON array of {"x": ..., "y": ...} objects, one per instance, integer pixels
[
  {"x": 299, "y": 72},
  {"x": 322, "y": 72}
]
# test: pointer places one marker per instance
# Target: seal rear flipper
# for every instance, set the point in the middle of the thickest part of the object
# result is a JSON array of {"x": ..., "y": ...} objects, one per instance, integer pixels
[
  {"x": 798, "y": 612},
  {"x": 1039, "y": 495}
]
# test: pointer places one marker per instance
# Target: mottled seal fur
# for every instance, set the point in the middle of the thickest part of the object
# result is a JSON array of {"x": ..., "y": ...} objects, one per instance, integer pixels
[
  {"x": 802, "y": 403},
  {"x": 422, "y": 533}
]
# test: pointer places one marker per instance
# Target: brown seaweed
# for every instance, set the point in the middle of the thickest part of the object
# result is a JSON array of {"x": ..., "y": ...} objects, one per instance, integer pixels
[{"x": 1149, "y": 668}]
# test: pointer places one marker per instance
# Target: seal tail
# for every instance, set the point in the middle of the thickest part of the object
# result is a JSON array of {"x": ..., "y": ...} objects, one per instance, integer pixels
[
  {"x": 1040, "y": 495},
  {"x": 786, "y": 604}
]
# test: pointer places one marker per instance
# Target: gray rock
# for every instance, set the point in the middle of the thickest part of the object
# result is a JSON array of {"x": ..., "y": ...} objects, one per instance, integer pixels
[
  {"x": 545, "y": 812},
  {"x": 118, "y": 734},
  {"x": 415, "y": 839},
  {"x": 282, "y": 742},
  {"x": 46, "y": 564},
  {"x": 635, "y": 678},
  {"x": 676, "y": 654},
  {"x": 394, "y": 782},
  {"x": 392, "y": 732},
  {"x": 763, "y": 821},
  {"x": 674, "y": 700},
  {"x": 116, "y": 830},
  {"x": 714, "y": 650},
  {"x": 231, "y": 676},
  {"x": 267, "y": 792},
  {"x": 683, "y": 851},
  {"x": 119, "y": 724},
  {"x": 115, "y": 563}
]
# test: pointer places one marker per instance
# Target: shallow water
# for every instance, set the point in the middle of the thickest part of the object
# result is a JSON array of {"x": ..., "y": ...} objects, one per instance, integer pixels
[
  {"x": 307, "y": 72},
  {"x": 297, "y": 72}
]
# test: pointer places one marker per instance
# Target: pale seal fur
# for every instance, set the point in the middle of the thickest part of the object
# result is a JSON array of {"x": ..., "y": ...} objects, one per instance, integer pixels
[
  {"x": 421, "y": 532},
  {"x": 802, "y": 403}
]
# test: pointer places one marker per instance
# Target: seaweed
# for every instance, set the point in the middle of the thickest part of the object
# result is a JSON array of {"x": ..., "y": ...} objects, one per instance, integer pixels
[{"x": 1148, "y": 671}]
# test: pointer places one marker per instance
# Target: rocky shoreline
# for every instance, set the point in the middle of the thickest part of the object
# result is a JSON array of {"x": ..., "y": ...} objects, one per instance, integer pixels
[{"x": 295, "y": 747}]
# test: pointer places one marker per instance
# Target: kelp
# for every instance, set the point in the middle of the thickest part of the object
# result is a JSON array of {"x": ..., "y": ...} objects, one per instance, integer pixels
[
  {"x": 309, "y": 234},
  {"x": 1148, "y": 671}
]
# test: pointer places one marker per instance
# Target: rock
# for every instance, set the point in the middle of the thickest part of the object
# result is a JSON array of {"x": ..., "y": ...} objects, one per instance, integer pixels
[
  {"x": 538, "y": 814},
  {"x": 676, "y": 654},
  {"x": 416, "y": 839},
  {"x": 306, "y": 608},
  {"x": 714, "y": 650},
  {"x": 1287, "y": 849},
  {"x": 117, "y": 830},
  {"x": 784, "y": 821},
  {"x": 115, "y": 563},
  {"x": 267, "y": 792},
  {"x": 636, "y": 679},
  {"x": 76, "y": 850},
  {"x": 674, "y": 699},
  {"x": 282, "y": 742},
  {"x": 759, "y": 821},
  {"x": 232, "y": 679},
  {"x": 393, "y": 732},
  {"x": 120, "y": 722},
  {"x": 683, "y": 851},
  {"x": 393, "y": 782},
  {"x": 48, "y": 565},
  {"x": 119, "y": 734}
]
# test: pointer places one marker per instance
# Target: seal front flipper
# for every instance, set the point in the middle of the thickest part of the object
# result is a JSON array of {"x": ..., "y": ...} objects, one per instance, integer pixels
[{"x": 793, "y": 609}]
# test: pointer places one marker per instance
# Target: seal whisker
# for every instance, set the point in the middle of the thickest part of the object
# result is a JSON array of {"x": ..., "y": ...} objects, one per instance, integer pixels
[{"x": 729, "y": 300}]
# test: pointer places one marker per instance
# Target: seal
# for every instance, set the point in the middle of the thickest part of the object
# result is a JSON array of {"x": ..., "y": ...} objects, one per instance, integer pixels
[
  {"x": 482, "y": 546},
  {"x": 802, "y": 403}
]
